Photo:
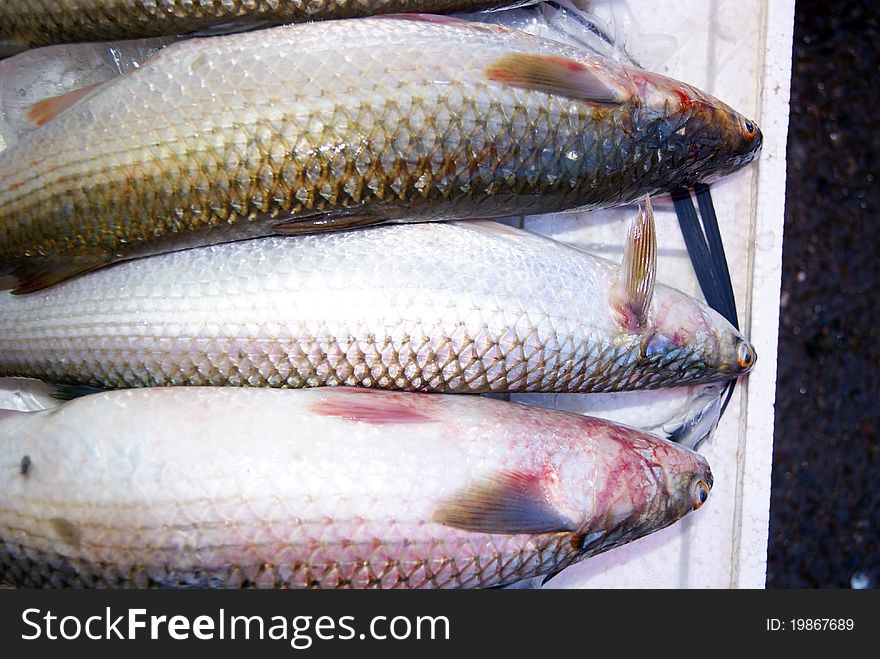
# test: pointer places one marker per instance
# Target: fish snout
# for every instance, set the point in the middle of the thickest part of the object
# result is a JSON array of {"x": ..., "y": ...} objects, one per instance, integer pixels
[
  {"x": 709, "y": 478},
  {"x": 752, "y": 138},
  {"x": 759, "y": 142}
]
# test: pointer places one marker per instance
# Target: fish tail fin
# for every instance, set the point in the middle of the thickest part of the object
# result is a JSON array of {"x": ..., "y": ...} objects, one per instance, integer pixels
[{"x": 638, "y": 271}]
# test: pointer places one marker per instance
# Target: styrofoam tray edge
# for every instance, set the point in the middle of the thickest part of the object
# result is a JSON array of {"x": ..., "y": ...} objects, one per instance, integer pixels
[{"x": 749, "y": 567}]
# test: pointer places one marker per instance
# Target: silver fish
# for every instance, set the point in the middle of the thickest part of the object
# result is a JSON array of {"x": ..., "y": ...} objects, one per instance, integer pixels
[
  {"x": 465, "y": 307},
  {"x": 323, "y": 488},
  {"x": 345, "y": 123}
]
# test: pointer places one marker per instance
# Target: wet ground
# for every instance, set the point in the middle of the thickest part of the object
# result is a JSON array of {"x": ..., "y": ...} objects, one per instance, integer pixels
[{"x": 825, "y": 506}]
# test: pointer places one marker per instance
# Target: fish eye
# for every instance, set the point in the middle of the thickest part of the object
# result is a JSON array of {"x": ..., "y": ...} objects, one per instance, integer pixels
[
  {"x": 699, "y": 493},
  {"x": 749, "y": 129},
  {"x": 745, "y": 356}
]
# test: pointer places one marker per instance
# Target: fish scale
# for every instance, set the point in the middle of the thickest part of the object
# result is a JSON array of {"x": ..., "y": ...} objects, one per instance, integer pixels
[
  {"x": 309, "y": 127},
  {"x": 181, "y": 499},
  {"x": 465, "y": 307}
]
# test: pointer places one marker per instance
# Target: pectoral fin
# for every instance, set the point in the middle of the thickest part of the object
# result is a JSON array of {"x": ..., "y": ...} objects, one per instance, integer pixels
[
  {"x": 638, "y": 272},
  {"x": 324, "y": 223},
  {"x": 555, "y": 75},
  {"x": 507, "y": 502}
]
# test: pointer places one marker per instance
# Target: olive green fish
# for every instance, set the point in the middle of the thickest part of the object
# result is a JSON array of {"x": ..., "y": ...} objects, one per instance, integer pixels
[
  {"x": 338, "y": 124},
  {"x": 29, "y": 23}
]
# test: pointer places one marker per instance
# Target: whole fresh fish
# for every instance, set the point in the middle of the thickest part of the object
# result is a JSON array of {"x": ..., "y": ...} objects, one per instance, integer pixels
[
  {"x": 28, "y": 23},
  {"x": 344, "y": 123},
  {"x": 460, "y": 307},
  {"x": 323, "y": 488}
]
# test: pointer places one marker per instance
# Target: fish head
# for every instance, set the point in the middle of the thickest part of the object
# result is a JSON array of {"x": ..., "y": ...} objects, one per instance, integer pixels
[
  {"x": 689, "y": 340},
  {"x": 685, "y": 135},
  {"x": 644, "y": 484},
  {"x": 698, "y": 136}
]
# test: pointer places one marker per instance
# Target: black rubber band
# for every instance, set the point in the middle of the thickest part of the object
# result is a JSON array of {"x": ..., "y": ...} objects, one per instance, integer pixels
[
  {"x": 706, "y": 249},
  {"x": 716, "y": 250},
  {"x": 698, "y": 249}
]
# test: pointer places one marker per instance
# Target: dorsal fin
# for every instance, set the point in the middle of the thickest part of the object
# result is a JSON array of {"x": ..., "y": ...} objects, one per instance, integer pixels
[
  {"x": 555, "y": 75},
  {"x": 42, "y": 112},
  {"x": 506, "y": 502},
  {"x": 638, "y": 271}
]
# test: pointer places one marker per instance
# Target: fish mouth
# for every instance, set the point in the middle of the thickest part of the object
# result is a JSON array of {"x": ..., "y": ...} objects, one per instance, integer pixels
[
  {"x": 759, "y": 142},
  {"x": 753, "y": 146}
]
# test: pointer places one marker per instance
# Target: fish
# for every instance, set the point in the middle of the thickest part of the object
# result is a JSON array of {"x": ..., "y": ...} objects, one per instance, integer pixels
[
  {"x": 342, "y": 124},
  {"x": 464, "y": 307},
  {"x": 323, "y": 488},
  {"x": 31, "y": 23}
]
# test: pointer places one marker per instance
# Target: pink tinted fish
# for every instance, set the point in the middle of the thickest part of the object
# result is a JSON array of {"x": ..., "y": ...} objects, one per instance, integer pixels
[{"x": 323, "y": 488}]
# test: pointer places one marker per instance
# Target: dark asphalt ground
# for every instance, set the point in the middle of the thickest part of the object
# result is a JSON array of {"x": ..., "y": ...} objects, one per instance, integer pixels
[{"x": 825, "y": 504}]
